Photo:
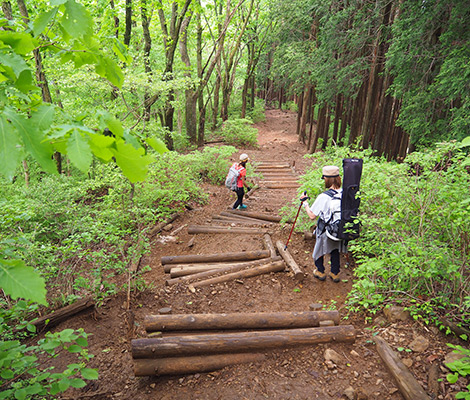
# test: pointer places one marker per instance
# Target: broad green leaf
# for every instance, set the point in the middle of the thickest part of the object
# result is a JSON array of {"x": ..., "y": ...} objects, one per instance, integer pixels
[
  {"x": 3, "y": 78},
  {"x": 77, "y": 20},
  {"x": 64, "y": 384},
  {"x": 100, "y": 145},
  {"x": 10, "y": 155},
  {"x": 77, "y": 383},
  {"x": 89, "y": 373},
  {"x": 25, "y": 82},
  {"x": 107, "y": 68},
  {"x": 134, "y": 163},
  {"x": 33, "y": 140},
  {"x": 20, "y": 281},
  {"x": 157, "y": 144},
  {"x": 15, "y": 62},
  {"x": 107, "y": 120},
  {"x": 465, "y": 142},
  {"x": 44, "y": 116},
  {"x": 42, "y": 20},
  {"x": 21, "y": 42},
  {"x": 129, "y": 138},
  {"x": 121, "y": 51},
  {"x": 79, "y": 151},
  {"x": 74, "y": 349},
  {"x": 20, "y": 394}
]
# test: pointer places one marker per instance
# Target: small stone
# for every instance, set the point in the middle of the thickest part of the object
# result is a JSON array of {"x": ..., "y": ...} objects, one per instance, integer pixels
[
  {"x": 330, "y": 364},
  {"x": 349, "y": 393},
  {"x": 331, "y": 355},
  {"x": 354, "y": 353},
  {"x": 191, "y": 242},
  {"x": 168, "y": 227},
  {"x": 395, "y": 313},
  {"x": 356, "y": 374},
  {"x": 380, "y": 322},
  {"x": 451, "y": 357},
  {"x": 165, "y": 310},
  {"x": 379, "y": 382},
  {"x": 152, "y": 385},
  {"x": 419, "y": 345},
  {"x": 315, "y": 306},
  {"x": 408, "y": 362}
]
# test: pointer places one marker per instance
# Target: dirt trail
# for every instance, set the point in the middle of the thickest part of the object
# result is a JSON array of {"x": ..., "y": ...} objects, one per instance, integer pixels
[{"x": 299, "y": 373}]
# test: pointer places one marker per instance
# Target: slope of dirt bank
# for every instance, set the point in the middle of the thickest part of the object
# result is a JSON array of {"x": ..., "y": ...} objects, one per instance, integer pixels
[{"x": 298, "y": 373}]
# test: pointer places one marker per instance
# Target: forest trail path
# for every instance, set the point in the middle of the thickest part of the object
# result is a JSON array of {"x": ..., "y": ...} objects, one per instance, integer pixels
[{"x": 295, "y": 373}]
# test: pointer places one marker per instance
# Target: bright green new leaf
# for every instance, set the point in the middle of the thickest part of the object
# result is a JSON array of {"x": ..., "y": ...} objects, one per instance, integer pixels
[
  {"x": 133, "y": 162},
  {"x": 107, "y": 120},
  {"x": 43, "y": 116},
  {"x": 131, "y": 139},
  {"x": 89, "y": 373},
  {"x": 465, "y": 142},
  {"x": 10, "y": 155},
  {"x": 20, "y": 281},
  {"x": 121, "y": 51},
  {"x": 157, "y": 144},
  {"x": 33, "y": 140},
  {"x": 42, "y": 20},
  {"x": 22, "y": 43},
  {"x": 79, "y": 151},
  {"x": 77, "y": 383},
  {"x": 77, "y": 20},
  {"x": 25, "y": 82},
  {"x": 100, "y": 146},
  {"x": 107, "y": 68}
]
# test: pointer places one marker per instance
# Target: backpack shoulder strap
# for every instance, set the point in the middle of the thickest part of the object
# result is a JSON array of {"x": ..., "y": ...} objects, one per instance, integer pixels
[{"x": 331, "y": 192}]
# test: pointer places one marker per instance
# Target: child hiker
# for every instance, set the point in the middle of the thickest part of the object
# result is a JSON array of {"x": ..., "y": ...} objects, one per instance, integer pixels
[
  {"x": 241, "y": 183},
  {"x": 323, "y": 244}
]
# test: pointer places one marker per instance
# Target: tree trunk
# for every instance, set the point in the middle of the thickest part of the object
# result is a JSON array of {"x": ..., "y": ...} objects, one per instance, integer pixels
[
  {"x": 116, "y": 18},
  {"x": 326, "y": 129},
  {"x": 147, "y": 48},
  {"x": 338, "y": 112},
  {"x": 306, "y": 103},
  {"x": 128, "y": 31}
]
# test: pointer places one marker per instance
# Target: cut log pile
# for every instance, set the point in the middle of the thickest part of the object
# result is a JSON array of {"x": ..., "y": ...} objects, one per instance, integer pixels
[
  {"x": 277, "y": 175},
  {"x": 208, "y": 269},
  {"x": 245, "y": 336}
]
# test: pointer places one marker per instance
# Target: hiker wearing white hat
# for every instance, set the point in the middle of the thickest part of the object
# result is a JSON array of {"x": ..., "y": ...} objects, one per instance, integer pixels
[
  {"x": 323, "y": 208},
  {"x": 241, "y": 183}
]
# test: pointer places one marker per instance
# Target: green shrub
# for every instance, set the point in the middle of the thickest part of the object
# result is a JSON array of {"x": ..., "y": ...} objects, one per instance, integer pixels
[
  {"x": 238, "y": 132},
  {"x": 258, "y": 113}
]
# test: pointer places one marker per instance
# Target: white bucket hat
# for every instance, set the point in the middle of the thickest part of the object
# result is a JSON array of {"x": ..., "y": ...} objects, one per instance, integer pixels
[{"x": 243, "y": 157}]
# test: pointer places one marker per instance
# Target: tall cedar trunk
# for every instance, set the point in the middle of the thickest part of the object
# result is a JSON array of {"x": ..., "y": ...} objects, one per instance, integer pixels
[
  {"x": 326, "y": 129},
  {"x": 147, "y": 48},
  {"x": 299, "y": 114},
  {"x": 384, "y": 114},
  {"x": 191, "y": 96},
  {"x": 281, "y": 94},
  {"x": 318, "y": 131},
  {"x": 305, "y": 114},
  {"x": 253, "y": 92},
  {"x": 40, "y": 77},
  {"x": 128, "y": 31},
  {"x": 357, "y": 114},
  {"x": 246, "y": 83},
  {"x": 338, "y": 111},
  {"x": 6, "y": 8},
  {"x": 345, "y": 119},
  {"x": 375, "y": 80}
]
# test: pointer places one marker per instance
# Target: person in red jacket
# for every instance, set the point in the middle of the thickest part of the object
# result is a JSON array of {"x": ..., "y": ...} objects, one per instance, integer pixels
[{"x": 241, "y": 183}]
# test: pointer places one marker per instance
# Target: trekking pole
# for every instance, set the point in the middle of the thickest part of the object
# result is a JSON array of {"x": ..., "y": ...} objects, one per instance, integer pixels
[{"x": 293, "y": 225}]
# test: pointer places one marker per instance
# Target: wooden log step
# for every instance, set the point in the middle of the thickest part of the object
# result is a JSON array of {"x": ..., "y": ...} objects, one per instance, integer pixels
[
  {"x": 281, "y": 185},
  {"x": 220, "y": 219},
  {"x": 267, "y": 217},
  {"x": 198, "y": 258},
  {"x": 239, "y": 342},
  {"x": 276, "y": 266},
  {"x": 198, "y": 229},
  {"x": 230, "y": 268},
  {"x": 272, "y": 167},
  {"x": 193, "y": 364},
  {"x": 407, "y": 383},
  {"x": 183, "y": 271},
  {"x": 280, "y": 182},
  {"x": 217, "y": 265},
  {"x": 251, "y": 191},
  {"x": 243, "y": 217},
  {"x": 293, "y": 266},
  {"x": 264, "y": 320}
]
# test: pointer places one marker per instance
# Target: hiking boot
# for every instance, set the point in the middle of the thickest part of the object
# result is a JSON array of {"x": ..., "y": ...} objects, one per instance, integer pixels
[
  {"x": 242, "y": 207},
  {"x": 319, "y": 275},
  {"x": 334, "y": 277}
]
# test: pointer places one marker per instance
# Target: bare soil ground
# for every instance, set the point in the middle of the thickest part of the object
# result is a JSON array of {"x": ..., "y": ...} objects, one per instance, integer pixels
[{"x": 295, "y": 373}]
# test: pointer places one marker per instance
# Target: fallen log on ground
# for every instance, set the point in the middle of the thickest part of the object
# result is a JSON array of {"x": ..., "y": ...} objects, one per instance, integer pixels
[
  {"x": 218, "y": 265},
  {"x": 198, "y": 258},
  {"x": 198, "y": 229},
  {"x": 251, "y": 191},
  {"x": 269, "y": 244},
  {"x": 294, "y": 267},
  {"x": 239, "y": 341},
  {"x": 191, "y": 365},
  {"x": 248, "y": 273},
  {"x": 272, "y": 167},
  {"x": 63, "y": 313},
  {"x": 241, "y": 217},
  {"x": 267, "y": 217},
  {"x": 271, "y": 182},
  {"x": 264, "y": 320},
  {"x": 183, "y": 271},
  {"x": 407, "y": 383},
  {"x": 158, "y": 228},
  {"x": 220, "y": 271}
]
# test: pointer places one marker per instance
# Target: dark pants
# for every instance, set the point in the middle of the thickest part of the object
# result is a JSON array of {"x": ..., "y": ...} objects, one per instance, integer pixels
[
  {"x": 334, "y": 258},
  {"x": 240, "y": 193}
]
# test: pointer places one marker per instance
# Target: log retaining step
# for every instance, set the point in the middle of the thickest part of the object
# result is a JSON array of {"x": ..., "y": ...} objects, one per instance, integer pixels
[{"x": 198, "y": 258}]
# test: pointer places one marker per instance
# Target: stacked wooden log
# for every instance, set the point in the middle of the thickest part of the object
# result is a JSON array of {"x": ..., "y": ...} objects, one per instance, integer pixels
[
  {"x": 207, "y": 269},
  {"x": 244, "y": 337},
  {"x": 277, "y": 175}
]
